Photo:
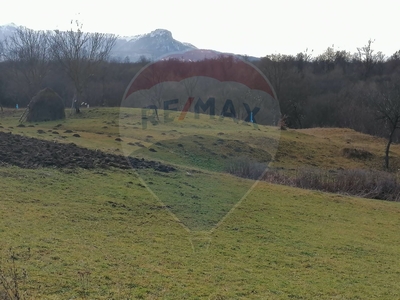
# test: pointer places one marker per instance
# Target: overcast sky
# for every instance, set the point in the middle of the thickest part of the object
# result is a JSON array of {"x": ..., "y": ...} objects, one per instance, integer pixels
[{"x": 249, "y": 27}]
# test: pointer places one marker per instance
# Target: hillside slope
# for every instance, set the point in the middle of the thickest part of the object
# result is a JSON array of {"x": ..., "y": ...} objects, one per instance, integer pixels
[
  {"x": 195, "y": 233},
  {"x": 325, "y": 148},
  {"x": 279, "y": 243}
]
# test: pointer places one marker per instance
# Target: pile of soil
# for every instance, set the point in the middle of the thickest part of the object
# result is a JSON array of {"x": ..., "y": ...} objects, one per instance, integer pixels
[
  {"x": 47, "y": 105},
  {"x": 33, "y": 153}
]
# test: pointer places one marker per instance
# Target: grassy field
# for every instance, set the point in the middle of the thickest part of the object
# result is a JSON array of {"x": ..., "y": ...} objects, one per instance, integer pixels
[
  {"x": 190, "y": 234},
  {"x": 317, "y": 147}
]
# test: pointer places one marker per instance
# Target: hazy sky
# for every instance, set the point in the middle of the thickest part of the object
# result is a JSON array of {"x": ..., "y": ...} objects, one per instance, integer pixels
[{"x": 248, "y": 27}]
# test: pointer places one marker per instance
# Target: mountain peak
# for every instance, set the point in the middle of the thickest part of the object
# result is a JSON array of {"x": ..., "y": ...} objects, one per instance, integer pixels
[
  {"x": 151, "y": 45},
  {"x": 10, "y": 25},
  {"x": 161, "y": 33}
]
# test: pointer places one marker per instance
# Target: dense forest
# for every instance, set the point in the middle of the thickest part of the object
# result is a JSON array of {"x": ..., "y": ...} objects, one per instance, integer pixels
[{"x": 359, "y": 90}]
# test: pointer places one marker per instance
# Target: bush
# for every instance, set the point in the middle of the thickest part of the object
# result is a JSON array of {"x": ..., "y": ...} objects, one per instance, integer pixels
[
  {"x": 361, "y": 183},
  {"x": 245, "y": 167},
  {"x": 12, "y": 277}
]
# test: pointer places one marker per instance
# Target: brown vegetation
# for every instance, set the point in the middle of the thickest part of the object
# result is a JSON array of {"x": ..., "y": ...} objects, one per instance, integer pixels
[
  {"x": 361, "y": 183},
  {"x": 47, "y": 105},
  {"x": 356, "y": 153},
  {"x": 357, "y": 182}
]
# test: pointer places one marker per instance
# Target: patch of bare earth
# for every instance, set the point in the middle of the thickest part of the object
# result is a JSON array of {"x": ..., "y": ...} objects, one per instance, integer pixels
[{"x": 26, "y": 152}]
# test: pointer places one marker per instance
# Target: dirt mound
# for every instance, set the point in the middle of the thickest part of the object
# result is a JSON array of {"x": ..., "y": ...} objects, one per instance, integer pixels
[
  {"x": 47, "y": 105},
  {"x": 33, "y": 153}
]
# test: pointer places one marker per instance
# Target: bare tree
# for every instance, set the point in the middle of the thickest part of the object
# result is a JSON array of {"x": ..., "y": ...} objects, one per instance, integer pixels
[
  {"x": 385, "y": 100},
  {"x": 326, "y": 60},
  {"x": 290, "y": 80},
  {"x": 342, "y": 58},
  {"x": 303, "y": 58},
  {"x": 80, "y": 53},
  {"x": 28, "y": 52},
  {"x": 1, "y": 94},
  {"x": 277, "y": 68},
  {"x": 368, "y": 58},
  {"x": 1, "y": 82},
  {"x": 1, "y": 50}
]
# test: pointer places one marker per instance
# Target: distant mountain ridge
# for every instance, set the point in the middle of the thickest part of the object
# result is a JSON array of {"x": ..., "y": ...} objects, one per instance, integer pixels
[
  {"x": 133, "y": 48},
  {"x": 151, "y": 46}
]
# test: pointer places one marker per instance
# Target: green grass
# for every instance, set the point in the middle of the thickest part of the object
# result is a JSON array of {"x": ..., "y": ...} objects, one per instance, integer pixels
[
  {"x": 109, "y": 234},
  {"x": 199, "y": 200},
  {"x": 278, "y": 243}
]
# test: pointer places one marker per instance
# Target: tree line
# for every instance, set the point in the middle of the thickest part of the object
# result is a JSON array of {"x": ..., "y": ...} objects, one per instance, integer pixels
[
  {"x": 67, "y": 61},
  {"x": 336, "y": 88}
]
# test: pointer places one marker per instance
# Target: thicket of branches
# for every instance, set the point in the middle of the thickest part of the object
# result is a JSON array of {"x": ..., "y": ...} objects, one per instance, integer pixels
[{"x": 66, "y": 61}]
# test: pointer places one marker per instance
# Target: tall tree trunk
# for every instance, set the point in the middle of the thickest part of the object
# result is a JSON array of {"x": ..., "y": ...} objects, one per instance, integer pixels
[{"x": 388, "y": 147}]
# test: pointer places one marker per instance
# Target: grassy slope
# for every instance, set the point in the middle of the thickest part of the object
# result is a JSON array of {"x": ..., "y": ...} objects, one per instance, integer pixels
[
  {"x": 279, "y": 243},
  {"x": 318, "y": 147}
]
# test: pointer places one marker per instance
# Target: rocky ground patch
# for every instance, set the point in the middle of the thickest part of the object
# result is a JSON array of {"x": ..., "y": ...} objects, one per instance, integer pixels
[{"x": 33, "y": 153}]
